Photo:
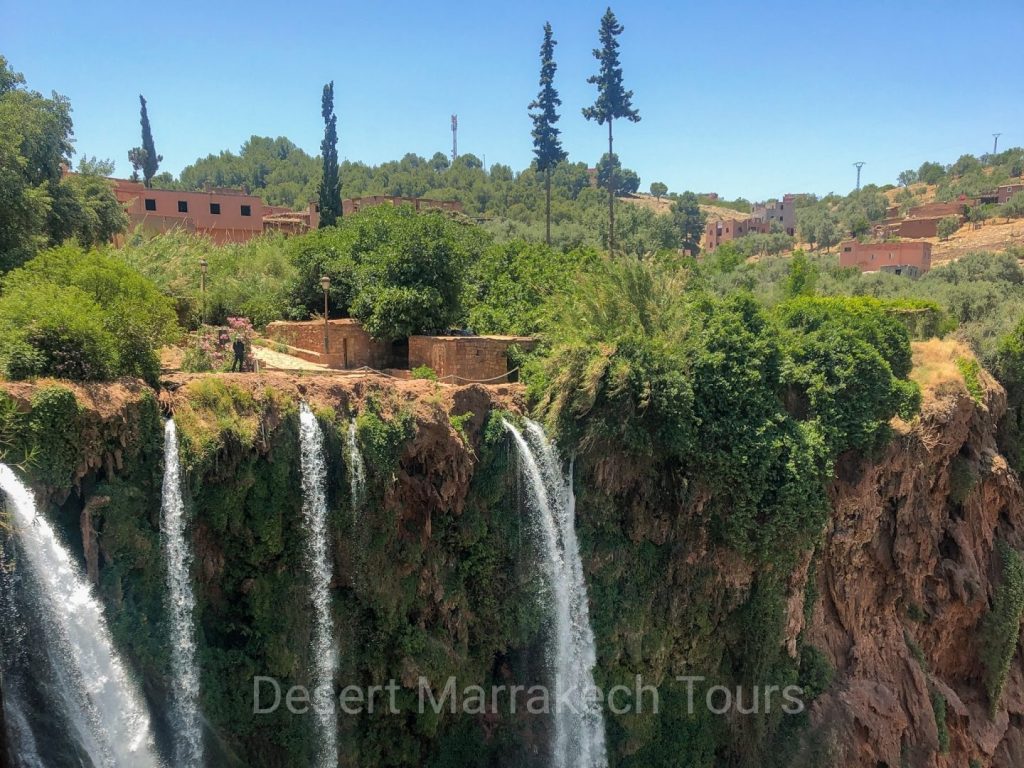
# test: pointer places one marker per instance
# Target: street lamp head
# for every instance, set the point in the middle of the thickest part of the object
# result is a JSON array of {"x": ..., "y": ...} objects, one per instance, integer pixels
[
  {"x": 202, "y": 266},
  {"x": 325, "y": 281}
]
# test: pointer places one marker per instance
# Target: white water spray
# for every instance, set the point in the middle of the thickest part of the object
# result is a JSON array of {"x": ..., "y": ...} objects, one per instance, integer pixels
[
  {"x": 99, "y": 690},
  {"x": 188, "y": 730},
  {"x": 318, "y": 561},
  {"x": 356, "y": 469},
  {"x": 579, "y": 724}
]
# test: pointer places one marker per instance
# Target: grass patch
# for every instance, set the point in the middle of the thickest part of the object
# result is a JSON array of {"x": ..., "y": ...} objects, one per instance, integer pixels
[{"x": 971, "y": 371}]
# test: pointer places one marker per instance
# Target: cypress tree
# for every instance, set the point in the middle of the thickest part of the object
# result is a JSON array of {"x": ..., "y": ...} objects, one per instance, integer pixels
[
  {"x": 547, "y": 147},
  {"x": 613, "y": 100},
  {"x": 330, "y": 185},
  {"x": 150, "y": 160}
]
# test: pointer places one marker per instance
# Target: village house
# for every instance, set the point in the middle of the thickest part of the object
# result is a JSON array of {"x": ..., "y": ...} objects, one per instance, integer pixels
[
  {"x": 225, "y": 216},
  {"x": 723, "y": 230},
  {"x": 781, "y": 213},
  {"x": 232, "y": 216},
  {"x": 901, "y": 258}
]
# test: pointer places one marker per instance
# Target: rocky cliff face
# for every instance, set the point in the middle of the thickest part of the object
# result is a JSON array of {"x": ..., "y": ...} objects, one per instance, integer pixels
[
  {"x": 435, "y": 576},
  {"x": 905, "y": 576}
]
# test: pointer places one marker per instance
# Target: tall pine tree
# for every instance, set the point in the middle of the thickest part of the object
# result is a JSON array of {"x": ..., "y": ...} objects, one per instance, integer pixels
[
  {"x": 547, "y": 147},
  {"x": 149, "y": 158},
  {"x": 613, "y": 100},
  {"x": 330, "y": 185}
]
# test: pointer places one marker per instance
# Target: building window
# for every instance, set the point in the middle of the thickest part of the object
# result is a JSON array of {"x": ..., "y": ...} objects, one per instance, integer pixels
[
  {"x": 150, "y": 204},
  {"x": 247, "y": 210},
  {"x": 215, "y": 209},
  {"x": 183, "y": 206}
]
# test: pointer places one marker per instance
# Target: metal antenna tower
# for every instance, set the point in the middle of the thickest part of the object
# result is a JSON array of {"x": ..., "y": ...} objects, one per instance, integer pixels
[
  {"x": 995, "y": 141},
  {"x": 858, "y": 165},
  {"x": 455, "y": 137}
]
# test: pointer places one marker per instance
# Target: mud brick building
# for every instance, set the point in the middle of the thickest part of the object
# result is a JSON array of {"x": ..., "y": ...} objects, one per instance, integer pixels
[
  {"x": 467, "y": 358},
  {"x": 901, "y": 258},
  {"x": 225, "y": 216},
  {"x": 348, "y": 345}
]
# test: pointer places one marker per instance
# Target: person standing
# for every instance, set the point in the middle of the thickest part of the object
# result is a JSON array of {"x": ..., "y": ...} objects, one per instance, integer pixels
[{"x": 238, "y": 347}]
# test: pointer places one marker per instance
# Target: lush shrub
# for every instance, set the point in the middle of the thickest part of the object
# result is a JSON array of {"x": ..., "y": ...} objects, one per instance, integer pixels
[
  {"x": 424, "y": 372},
  {"x": 244, "y": 280},
  {"x": 847, "y": 368},
  {"x": 398, "y": 271},
  {"x": 79, "y": 314},
  {"x": 509, "y": 283},
  {"x": 971, "y": 372}
]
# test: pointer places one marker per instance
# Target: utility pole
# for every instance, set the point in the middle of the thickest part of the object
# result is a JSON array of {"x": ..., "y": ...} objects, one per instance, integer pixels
[
  {"x": 858, "y": 165},
  {"x": 995, "y": 142},
  {"x": 455, "y": 138}
]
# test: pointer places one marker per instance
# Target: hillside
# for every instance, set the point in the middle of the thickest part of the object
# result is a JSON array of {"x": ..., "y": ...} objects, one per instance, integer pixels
[{"x": 664, "y": 205}]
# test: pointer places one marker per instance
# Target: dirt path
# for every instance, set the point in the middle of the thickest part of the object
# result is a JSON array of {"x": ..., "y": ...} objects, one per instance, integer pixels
[{"x": 270, "y": 359}]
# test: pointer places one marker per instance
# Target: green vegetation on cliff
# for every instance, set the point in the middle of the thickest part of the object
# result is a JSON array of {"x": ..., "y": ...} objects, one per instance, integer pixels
[{"x": 1000, "y": 632}]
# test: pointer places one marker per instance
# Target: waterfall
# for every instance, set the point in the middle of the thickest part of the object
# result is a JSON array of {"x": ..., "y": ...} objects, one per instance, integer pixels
[
  {"x": 578, "y": 720},
  {"x": 318, "y": 561},
  {"x": 188, "y": 731},
  {"x": 356, "y": 469},
  {"x": 103, "y": 707}
]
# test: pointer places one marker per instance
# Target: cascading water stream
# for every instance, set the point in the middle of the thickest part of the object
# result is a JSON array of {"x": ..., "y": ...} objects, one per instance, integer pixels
[
  {"x": 579, "y": 723},
  {"x": 318, "y": 561},
  {"x": 356, "y": 469},
  {"x": 188, "y": 731},
  {"x": 102, "y": 704}
]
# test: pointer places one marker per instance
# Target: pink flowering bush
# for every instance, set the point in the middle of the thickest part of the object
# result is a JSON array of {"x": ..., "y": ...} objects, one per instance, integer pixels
[{"x": 209, "y": 348}]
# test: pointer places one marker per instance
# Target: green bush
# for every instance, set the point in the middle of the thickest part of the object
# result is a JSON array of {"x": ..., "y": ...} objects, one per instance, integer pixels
[
  {"x": 1000, "y": 629},
  {"x": 948, "y": 226},
  {"x": 398, "y": 271},
  {"x": 971, "y": 371},
  {"x": 424, "y": 372},
  {"x": 81, "y": 315}
]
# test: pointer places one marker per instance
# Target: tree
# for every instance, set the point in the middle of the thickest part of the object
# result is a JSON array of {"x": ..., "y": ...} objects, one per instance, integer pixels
[
  {"x": 908, "y": 177},
  {"x": 931, "y": 173},
  {"x": 330, "y": 184},
  {"x": 817, "y": 226},
  {"x": 148, "y": 158},
  {"x": 547, "y": 147},
  {"x": 611, "y": 175},
  {"x": 947, "y": 226},
  {"x": 1014, "y": 207},
  {"x": 35, "y": 140},
  {"x": 613, "y": 100},
  {"x": 658, "y": 189},
  {"x": 689, "y": 220},
  {"x": 137, "y": 159},
  {"x": 802, "y": 277}
]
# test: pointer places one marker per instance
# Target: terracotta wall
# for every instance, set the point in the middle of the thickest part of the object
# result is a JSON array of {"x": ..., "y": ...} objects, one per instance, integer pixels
[
  {"x": 872, "y": 257},
  {"x": 469, "y": 358},
  {"x": 230, "y": 225},
  {"x": 919, "y": 227},
  {"x": 348, "y": 345}
]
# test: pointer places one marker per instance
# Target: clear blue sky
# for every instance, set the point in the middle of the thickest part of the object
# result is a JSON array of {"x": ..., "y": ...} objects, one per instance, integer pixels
[{"x": 751, "y": 99}]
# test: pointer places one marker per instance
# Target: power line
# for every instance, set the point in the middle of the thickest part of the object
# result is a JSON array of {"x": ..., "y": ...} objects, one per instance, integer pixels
[{"x": 995, "y": 141}]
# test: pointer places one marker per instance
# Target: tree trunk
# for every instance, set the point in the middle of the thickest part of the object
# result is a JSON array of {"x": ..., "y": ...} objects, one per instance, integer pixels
[
  {"x": 547, "y": 204},
  {"x": 611, "y": 193}
]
